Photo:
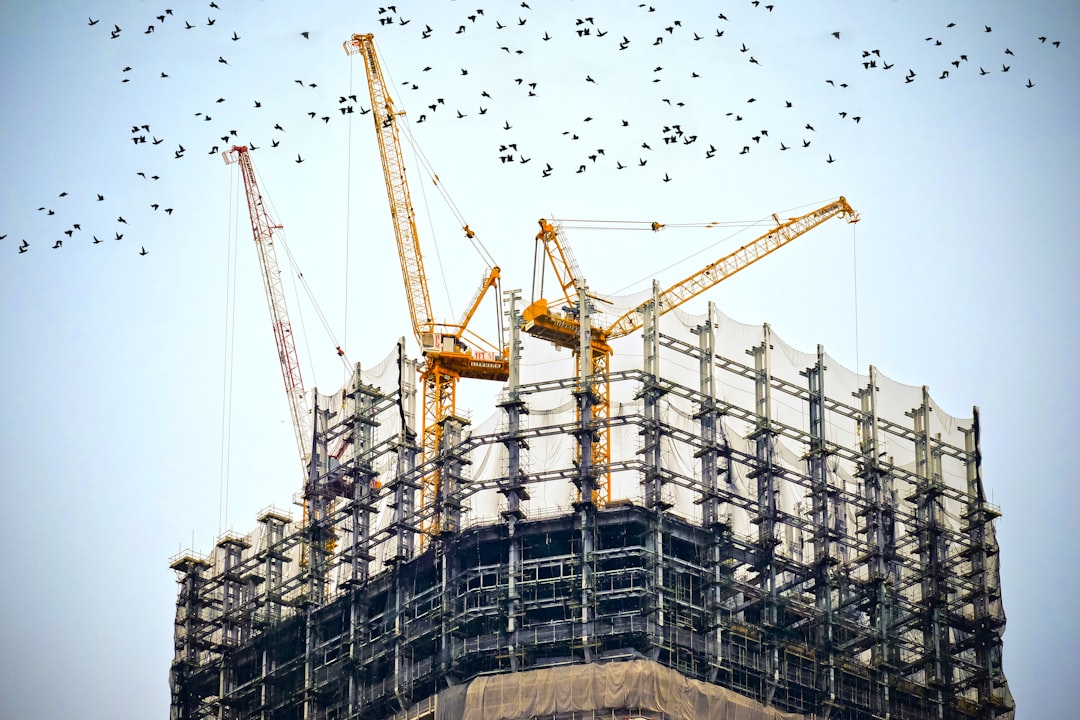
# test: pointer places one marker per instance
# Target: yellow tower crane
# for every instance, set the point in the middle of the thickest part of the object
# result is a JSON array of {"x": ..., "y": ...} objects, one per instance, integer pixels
[
  {"x": 562, "y": 328},
  {"x": 446, "y": 346}
]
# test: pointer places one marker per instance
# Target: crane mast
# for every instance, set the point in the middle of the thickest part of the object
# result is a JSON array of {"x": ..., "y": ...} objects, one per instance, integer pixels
[
  {"x": 448, "y": 355},
  {"x": 564, "y": 329},
  {"x": 262, "y": 228}
]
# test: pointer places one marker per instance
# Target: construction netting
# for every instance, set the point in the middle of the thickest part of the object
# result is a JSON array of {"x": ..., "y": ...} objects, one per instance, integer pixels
[
  {"x": 633, "y": 685},
  {"x": 904, "y": 417}
]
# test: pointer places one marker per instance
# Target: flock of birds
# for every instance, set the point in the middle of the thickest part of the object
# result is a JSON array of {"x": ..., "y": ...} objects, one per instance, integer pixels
[{"x": 612, "y": 136}]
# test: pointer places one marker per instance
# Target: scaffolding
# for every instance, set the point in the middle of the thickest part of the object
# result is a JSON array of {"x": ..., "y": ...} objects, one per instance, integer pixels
[{"x": 812, "y": 540}]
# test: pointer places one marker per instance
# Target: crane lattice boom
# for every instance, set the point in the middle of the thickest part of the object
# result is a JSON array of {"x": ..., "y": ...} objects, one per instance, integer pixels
[
  {"x": 262, "y": 228},
  {"x": 730, "y": 264},
  {"x": 397, "y": 189}
]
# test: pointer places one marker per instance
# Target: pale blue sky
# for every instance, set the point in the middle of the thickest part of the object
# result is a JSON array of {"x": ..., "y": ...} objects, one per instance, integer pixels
[{"x": 114, "y": 364}]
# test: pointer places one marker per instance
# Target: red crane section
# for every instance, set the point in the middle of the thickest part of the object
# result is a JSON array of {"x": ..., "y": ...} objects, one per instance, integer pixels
[{"x": 262, "y": 229}]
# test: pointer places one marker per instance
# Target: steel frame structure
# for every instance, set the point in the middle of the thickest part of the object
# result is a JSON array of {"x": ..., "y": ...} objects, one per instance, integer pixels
[{"x": 852, "y": 622}]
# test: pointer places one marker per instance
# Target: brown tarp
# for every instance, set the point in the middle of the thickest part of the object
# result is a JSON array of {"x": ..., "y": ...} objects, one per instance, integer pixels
[{"x": 634, "y": 685}]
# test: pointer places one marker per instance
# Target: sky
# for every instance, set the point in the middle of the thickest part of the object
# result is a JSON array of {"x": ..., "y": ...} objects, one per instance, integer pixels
[{"x": 145, "y": 411}]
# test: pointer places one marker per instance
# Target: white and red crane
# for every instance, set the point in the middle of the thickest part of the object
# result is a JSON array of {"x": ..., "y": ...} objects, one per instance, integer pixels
[{"x": 262, "y": 228}]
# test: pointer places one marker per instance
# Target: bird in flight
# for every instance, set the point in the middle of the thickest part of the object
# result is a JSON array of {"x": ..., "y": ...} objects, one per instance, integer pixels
[
  {"x": 299, "y": 159},
  {"x": 142, "y": 251}
]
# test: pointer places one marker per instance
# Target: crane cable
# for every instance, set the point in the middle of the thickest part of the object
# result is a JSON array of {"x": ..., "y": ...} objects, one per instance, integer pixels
[
  {"x": 654, "y": 273},
  {"x": 434, "y": 240},
  {"x": 654, "y": 226},
  {"x": 348, "y": 208},
  {"x": 229, "y": 354},
  {"x": 855, "y": 303},
  {"x": 299, "y": 275}
]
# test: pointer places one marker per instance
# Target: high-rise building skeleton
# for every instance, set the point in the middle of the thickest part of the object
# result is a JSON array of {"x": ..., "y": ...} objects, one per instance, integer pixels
[{"x": 786, "y": 536}]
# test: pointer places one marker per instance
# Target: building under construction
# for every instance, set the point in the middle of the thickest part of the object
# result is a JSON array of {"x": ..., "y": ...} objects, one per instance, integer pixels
[{"x": 765, "y": 534}]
